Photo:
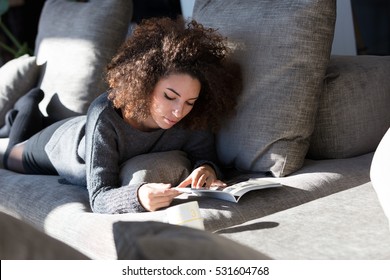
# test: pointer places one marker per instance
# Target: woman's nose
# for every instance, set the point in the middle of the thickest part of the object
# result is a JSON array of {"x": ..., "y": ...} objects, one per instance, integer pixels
[{"x": 178, "y": 111}]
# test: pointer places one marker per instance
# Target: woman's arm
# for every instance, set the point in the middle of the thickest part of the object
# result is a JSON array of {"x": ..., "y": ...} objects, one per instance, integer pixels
[
  {"x": 106, "y": 193},
  {"x": 200, "y": 149}
]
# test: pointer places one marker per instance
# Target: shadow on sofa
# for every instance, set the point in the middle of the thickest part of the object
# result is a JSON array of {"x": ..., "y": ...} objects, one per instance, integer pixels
[{"x": 254, "y": 226}]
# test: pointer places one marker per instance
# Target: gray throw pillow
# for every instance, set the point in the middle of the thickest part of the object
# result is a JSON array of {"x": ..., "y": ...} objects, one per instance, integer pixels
[
  {"x": 160, "y": 241},
  {"x": 75, "y": 42},
  {"x": 169, "y": 167},
  {"x": 354, "y": 110},
  {"x": 283, "y": 48},
  {"x": 17, "y": 77},
  {"x": 20, "y": 241}
]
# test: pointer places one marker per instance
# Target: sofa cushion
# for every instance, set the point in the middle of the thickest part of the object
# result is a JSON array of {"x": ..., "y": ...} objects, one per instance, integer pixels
[
  {"x": 346, "y": 225},
  {"x": 283, "y": 48},
  {"x": 169, "y": 167},
  {"x": 63, "y": 211},
  {"x": 161, "y": 241},
  {"x": 75, "y": 42},
  {"x": 17, "y": 77},
  {"x": 354, "y": 112}
]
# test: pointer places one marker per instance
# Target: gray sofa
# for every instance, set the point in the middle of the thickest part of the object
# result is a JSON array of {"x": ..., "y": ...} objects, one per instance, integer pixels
[{"x": 306, "y": 119}]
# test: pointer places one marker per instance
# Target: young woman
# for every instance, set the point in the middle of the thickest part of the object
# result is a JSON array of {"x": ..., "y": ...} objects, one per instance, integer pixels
[{"x": 170, "y": 86}]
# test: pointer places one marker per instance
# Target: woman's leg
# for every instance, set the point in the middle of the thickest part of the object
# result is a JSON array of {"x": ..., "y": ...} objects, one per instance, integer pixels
[
  {"x": 30, "y": 156},
  {"x": 28, "y": 120},
  {"x": 15, "y": 158},
  {"x": 9, "y": 120}
]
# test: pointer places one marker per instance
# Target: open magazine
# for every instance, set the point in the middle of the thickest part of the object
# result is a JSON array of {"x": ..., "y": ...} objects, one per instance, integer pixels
[{"x": 234, "y": 192}]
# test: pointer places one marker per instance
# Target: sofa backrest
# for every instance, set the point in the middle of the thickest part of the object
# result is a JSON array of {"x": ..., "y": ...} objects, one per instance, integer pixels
[
  {"x": 75, "y": 42},
  {"x": 354, "y": 108}
]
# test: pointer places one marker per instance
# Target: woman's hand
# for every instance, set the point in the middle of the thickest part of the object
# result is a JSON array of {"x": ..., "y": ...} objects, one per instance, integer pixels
[
  {"x": 154, "y": 196},
  {"x": 202, "y": 177}
]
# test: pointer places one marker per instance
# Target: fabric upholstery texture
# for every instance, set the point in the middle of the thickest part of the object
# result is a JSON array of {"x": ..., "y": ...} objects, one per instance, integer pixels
[
  {"x": 161, "y": 241},
  {"x": 74, "y": 47},
  {"x": 17, "y": 77},
  {"x": 326, "y": 210},
  {"x": 21, "y": 241},
  {"x": 347, "y": 225},
  {"x": 51, "y": 205},
  {"x": 283, "y": 48},
  {"x": 166, "y": 167},
  {"x": 354, "y": 110}
]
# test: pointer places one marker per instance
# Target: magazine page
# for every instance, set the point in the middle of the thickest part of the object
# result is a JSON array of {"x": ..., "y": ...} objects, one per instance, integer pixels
[
  {"x": 234, "y": 192},
  {"x": 240, "y": 189}
]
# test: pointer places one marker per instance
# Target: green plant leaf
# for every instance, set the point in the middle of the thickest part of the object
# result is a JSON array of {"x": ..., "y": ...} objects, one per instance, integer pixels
[
  {"x": 23, "y": 50},
  {"x": 4, "y": 5}
]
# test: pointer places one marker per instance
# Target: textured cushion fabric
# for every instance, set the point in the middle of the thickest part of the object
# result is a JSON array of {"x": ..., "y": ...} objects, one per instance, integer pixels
[
  {"x": 133, "y": 240},
  {"x": 166, "y": 167},
  {"x": 354, "y": 110},
  {"x": 347, "y": 225},
  {"x": 21, "y": 241},
  {"x": 63, "y": 211},
  {"x": 314, "y": 180},
  {"x": 17, "y": 77},
  {"x": 75, "y": 42},
  {"x": 161, "y": 241},
  {"x": 283, "y": 48},
  {"x": 379, "y": 173}
]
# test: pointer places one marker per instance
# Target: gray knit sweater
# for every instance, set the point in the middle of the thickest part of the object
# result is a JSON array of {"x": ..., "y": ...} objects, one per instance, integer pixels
[{"x": 89, "y": 151}]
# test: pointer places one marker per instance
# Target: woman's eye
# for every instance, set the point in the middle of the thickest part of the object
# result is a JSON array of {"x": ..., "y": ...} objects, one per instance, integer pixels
[
  {"x": 190, "y": 103},
  {"x": 167, "y": 97}
]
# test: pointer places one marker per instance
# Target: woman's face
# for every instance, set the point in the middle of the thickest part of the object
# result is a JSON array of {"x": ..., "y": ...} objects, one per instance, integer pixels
[{"x": 173, "y": 98}]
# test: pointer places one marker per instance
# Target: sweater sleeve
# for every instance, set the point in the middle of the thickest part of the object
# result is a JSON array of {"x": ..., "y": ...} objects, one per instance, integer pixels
[
  {"x": 106, "y": 193},
  {"x": 200, "y": 149}
]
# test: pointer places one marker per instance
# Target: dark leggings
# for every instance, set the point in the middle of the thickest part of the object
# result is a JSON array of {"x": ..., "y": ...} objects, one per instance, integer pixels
[{"x": 35, "y": 159}]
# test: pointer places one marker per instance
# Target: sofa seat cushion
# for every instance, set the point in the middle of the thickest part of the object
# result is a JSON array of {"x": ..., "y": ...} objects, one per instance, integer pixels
[
  {"x": 314, "y": 180},
  {"x": 348, "y": 225},
  {"x": 283, "y": 48},
  {"x": 63, "y": 210},
  {"x": 353, "y": 113}
]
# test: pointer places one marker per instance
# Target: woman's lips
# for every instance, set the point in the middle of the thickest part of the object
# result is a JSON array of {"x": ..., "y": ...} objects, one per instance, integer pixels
[{"x": 169, "y": 121}]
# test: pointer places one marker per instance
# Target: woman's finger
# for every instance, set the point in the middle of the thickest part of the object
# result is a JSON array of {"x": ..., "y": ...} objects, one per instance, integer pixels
[
  {"x": 185, "y": 183},
  {"x": 219, "y": 183},
  {"x": 201, "y": 181}
]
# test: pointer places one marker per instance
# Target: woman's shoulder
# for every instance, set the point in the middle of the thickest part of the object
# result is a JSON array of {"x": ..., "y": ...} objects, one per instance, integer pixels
[
  {"x": 100, "y": 103},
  {"x": 102, "y": 114}
]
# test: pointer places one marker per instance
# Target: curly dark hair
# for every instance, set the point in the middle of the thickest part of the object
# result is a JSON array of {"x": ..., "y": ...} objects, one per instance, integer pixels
[{"x": 159, "y": 47}]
